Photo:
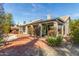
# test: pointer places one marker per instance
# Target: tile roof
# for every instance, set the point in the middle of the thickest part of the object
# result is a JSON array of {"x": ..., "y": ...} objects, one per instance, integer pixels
[{"x": 64, "y": 18}]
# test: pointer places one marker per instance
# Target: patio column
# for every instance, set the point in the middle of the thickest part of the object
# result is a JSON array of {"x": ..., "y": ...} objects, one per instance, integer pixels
[
  {"x": 56, "y": 27},
  {"x": 67, "y": 28},
  {"x": 62, "y": 30},
  {"x": 32, "y": 30},
  {"x": 20, "y": 29},
  {"x": 26, "y": 29},
  {"x": 40, "y": 29}
]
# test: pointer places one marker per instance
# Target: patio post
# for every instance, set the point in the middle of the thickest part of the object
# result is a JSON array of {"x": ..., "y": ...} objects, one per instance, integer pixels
[
  {"x": 20, "y": 30},
  {"x": 32, "y": 30},
  {"x": 62, "y": 30},
  {"x": 26, "y": 29},
  {"x": 67, "y": 28},
  {"x": 56, "y": 27},
  {"x": 40, "y": 29}
]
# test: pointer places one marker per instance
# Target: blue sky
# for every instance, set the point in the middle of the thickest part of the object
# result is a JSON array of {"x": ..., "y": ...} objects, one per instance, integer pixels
[{"x": 29, "y": 12}]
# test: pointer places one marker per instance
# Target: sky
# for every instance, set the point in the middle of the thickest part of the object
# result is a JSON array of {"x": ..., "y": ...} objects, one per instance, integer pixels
[{"x": 34, "y": 11}]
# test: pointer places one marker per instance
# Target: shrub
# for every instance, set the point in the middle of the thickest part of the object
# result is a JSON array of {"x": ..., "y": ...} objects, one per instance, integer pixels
[
  {"x": 74, "y": 33},
  {"x": 54, "y": 41},
  {"x": 59, "y": 40},
  {"x": 75, "y": 36},
  {"x": 1, "y": 40}
]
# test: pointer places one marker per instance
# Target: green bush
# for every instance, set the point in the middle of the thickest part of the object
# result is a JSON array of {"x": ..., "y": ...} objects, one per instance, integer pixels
[
  {"x": 1, "y": 40},
  {"x": 74, "y": 33},
  {"x": 59, "y": 40},
  {"x": 54, "y": 41},
  {"x": 75, "y": 36}
]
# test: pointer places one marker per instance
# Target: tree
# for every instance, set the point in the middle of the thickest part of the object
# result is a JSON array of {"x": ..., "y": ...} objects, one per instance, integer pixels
[
  {"x": 1, "y": 24},
  {"x": 7, "y": 23},
  {"x": 74, "y": 28}
]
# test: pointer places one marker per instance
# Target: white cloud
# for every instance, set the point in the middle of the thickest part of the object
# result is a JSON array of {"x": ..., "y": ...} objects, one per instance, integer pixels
[{"x": 37, "y": 7}]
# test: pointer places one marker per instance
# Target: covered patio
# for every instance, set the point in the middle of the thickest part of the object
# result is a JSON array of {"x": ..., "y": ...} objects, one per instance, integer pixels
[
  {"x": 44, "y": 28},
  {"x": 58, "y": 26}
]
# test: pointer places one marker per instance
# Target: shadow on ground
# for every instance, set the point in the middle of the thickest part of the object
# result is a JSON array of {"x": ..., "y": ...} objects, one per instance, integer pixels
[
  {"x": 28, "y": 49},
  {"x": 67, "y": 50},
  {"x": 64, "y": 50}
]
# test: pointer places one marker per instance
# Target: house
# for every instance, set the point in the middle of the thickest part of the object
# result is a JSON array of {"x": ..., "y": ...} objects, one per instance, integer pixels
[
  {"x": 44, "y": 27},
  {"x": 14, "y": 29}
]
